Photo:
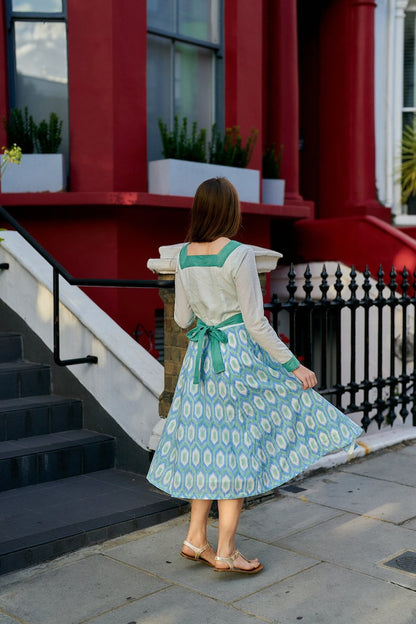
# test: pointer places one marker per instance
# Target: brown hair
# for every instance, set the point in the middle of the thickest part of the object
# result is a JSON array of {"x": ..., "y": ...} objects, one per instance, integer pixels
[{"x": 215, "y": 211}]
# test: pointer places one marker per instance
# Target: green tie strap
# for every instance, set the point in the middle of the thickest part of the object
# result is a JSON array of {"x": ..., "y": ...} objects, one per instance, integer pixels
[{"x": 215, "y": 336}]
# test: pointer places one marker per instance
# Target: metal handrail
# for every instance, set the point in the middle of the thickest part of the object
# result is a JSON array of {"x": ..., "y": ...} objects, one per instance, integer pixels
[{"x": 59, "y": 270}]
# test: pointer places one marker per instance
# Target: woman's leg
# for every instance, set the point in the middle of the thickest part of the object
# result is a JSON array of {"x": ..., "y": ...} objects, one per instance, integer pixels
[
  {"x": 229, "y": 514},
  {"x": 197, "y": 533}
]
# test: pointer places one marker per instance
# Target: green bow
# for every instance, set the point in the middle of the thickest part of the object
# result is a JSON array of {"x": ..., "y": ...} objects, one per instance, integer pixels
[{"x": 215, "y": 336}]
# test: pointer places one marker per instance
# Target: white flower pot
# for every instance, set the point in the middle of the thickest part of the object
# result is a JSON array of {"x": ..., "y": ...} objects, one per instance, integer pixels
[
  {"x": 36, "y": 173},
  {"x": 182, "y": 177},
  {"x": 273, "y": 192}
]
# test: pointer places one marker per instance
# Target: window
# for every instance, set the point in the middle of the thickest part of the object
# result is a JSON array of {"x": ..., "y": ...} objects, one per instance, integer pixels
[
  {"x": 184, "y": 65},
  {"x": 38, "y": 66}
]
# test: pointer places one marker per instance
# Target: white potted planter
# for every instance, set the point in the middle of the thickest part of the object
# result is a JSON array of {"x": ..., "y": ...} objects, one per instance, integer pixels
[
  {"x": 182, "y": 177},
  {"x": 36, "y": 173},
  {"x": 273, "y": 192}
]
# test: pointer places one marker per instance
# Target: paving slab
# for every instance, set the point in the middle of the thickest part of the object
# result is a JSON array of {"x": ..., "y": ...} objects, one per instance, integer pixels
[
  {"x": 361, "y": 495},
  {"x": 158, "y": 554},
  {"x": 358, "y": 543},
  {"x": 77, "y": 591},
  {"x": 5, "y": 619},
  {"x": 410, "y": 524},
  {"x": 397, "y": 466},
  {"x": 328, "y": 594},
  {"x": 176, "y": 605},
  {"x": 282, "y": 517}
]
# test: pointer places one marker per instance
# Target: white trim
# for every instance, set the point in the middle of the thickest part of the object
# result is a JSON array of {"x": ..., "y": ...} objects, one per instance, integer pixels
[{"x": 127, "y": 381}]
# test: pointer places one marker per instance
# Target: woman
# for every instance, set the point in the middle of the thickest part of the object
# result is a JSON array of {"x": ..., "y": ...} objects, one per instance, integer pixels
[{"x": 244, "y": 418}]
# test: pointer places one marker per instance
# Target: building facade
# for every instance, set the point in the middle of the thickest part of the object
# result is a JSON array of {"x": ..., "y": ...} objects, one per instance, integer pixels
[{"x": 307, "y": 76}]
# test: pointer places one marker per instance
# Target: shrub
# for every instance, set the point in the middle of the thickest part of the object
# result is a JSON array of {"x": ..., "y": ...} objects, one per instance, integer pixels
[
  {"x": 272, "y": 162},
  {"x": 177, "y": 144},
  {"x": 49, "y": 135},
  {"x": 229, "y": 149},
  {"x": 21, "y": 130}
]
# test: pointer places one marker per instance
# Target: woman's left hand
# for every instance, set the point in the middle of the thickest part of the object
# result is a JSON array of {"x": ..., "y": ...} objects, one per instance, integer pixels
[{"x": 306, "y": 376}]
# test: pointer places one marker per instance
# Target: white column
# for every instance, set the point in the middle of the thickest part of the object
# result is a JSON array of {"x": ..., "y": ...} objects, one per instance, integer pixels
[{"x": 397, "y": 100}]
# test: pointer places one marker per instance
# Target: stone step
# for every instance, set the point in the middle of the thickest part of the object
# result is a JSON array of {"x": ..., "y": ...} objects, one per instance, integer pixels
[
  {"x": 42, "y": 458},
  {"x": 10, "y": 347},
  {"x": 22, "y": 379},
  {"x": 44, "y": 521},
  {"x": 37, "y": 415}
]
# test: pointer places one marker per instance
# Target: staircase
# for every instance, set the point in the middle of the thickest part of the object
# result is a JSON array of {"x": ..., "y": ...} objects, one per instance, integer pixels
[{"x": 59, "y": 489}]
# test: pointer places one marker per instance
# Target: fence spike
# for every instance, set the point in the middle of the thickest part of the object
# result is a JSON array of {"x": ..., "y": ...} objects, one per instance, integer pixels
[
  {"x": 338, "y": 282},
  {"x": 405, "y": 282},
  {"x": 380, "y": 282},
  {"x": 324, "y": 286},
  {"x": 291, "y": 287},
  {"x": 366, "y": 283},
  {"x": 308, "y": 287},
  {"x": 353, "y": 283}
]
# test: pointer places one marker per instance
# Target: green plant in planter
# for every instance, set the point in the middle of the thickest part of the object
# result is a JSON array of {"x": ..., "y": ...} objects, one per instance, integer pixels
[
  {"x": 21, "y": 130},
  {"x": 177, "y": 144},
  {"x": 49, "y": 135},
  {"x": 407, "y": 167},
  {"x": 229, "y": 149},
  {"x": 272, "y": 162}
]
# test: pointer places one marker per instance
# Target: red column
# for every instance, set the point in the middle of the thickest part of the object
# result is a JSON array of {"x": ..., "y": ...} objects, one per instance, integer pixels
[
  {"x": 282, "y": 90},
  {"x": 243, "y": 76},
  {"x": 107, "y": 95},
  {"x": 362, "y": 185},
  {"x": 4, "y": 101}
]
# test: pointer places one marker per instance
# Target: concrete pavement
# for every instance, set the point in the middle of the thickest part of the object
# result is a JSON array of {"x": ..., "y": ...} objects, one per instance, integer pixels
[{"x": 326, "y": 542}]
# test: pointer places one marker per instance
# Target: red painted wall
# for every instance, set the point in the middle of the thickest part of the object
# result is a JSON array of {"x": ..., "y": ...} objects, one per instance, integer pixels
[
  {"x": 107, "y": 95},
  {"x": 243, "y": 76},
  {"x": 355, "y": 241},
  {"x": 4, "y": 94}
]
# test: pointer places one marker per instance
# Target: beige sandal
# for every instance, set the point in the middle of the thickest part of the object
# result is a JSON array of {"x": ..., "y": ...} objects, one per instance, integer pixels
[
  {"x": 198, "y": 552},
  {"x": 231, "y": 568}
]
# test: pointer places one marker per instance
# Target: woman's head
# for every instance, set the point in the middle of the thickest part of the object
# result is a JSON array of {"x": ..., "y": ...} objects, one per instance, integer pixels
[{"x": 215, "y": 211}]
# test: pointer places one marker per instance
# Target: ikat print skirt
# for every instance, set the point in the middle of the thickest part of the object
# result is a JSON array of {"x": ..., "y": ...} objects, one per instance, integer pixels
[{"x": 243, "y": 431}]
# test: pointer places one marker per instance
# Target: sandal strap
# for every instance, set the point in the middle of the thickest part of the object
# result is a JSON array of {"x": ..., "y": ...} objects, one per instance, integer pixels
[
  {"x": 229, "y": 560},
  {"x": 198, "y": 551}
]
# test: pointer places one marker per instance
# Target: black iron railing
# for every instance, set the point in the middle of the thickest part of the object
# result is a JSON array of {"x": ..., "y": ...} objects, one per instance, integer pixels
[
  {"x": 361, "y": 345},
  {"x": 357, "y": 334},
  {"x": 60, "y": 271}
]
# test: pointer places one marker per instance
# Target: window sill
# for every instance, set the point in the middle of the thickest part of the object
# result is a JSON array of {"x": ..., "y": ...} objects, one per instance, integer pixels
[{"x": 301, "y": 210}]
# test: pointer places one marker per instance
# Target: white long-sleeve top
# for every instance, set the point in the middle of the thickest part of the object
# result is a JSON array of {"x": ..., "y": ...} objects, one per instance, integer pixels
[{"x": 214, "y": 287}]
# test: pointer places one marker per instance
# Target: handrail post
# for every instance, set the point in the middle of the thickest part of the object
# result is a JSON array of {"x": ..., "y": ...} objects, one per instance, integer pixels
[{"x": 89, "y": 359}]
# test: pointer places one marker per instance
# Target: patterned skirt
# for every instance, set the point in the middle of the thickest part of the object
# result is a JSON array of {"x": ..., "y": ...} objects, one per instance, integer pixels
[{"x": 243, "y": 431}]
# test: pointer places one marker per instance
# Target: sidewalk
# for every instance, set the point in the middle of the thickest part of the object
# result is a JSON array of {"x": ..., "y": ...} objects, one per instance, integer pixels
[{"x": 322, "y": 540}]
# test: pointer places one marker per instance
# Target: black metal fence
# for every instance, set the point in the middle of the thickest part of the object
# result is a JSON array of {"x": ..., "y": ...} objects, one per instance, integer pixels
[{"x": 357, "y": 333}]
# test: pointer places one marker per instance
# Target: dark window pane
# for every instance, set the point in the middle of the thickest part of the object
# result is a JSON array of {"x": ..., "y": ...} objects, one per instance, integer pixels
[
  {"x": 199, "y": 19},
  {"x": 159, "y": 88},
  {"x": 160, "y": 14},
  {"x": 41, "y": 71}
]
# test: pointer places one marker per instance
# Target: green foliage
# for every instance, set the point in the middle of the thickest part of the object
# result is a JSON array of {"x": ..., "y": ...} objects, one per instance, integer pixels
[
  {"x": 177, "y": 144},
  {"x": 229, "y": 149},
  {"x": 272, "y": 162},
  {"x": 49, "y": 135},
  {"x": 408, "y": 162},
  {"x": 12, "y": 155},
  {"x": 21, "y": 130}
]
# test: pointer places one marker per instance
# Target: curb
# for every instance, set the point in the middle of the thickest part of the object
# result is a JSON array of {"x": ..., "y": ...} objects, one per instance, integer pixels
[{"x": 366, "y": 444}]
